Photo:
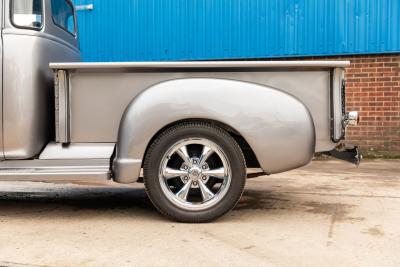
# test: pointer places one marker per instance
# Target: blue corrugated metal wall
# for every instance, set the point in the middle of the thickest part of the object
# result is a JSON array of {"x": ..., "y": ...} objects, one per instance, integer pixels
[{"x": 148, "y": 30}]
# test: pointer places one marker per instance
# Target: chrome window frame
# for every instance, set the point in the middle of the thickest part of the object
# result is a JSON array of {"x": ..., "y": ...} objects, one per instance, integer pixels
[{"x": 42, "y": 13}]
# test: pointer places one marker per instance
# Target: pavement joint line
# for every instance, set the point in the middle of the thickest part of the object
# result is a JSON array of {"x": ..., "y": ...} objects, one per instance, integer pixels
[
  {"x": 16, "y": 264},
  {"x": 338, "y": 195}
]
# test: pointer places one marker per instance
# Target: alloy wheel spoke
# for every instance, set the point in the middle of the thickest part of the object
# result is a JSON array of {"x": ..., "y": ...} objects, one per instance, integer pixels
[
  {"x": 171, "y": 173},
  {"x": 218, "y": 173},
  {"x": 183, "y": 153},
  {"x": 205, "y": 154},
  {"x": 189, "y": 174},
  {"x": 184, "y": 192},
  {"x": 206, "y": 193}
]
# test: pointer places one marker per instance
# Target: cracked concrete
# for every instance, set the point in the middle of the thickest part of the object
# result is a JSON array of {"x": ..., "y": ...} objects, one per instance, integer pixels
[{"x": 329, "y": 213}]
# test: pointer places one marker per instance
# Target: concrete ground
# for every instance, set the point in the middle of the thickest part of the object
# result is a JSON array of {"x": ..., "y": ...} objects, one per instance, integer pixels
[{"x": 329, "y": 213}]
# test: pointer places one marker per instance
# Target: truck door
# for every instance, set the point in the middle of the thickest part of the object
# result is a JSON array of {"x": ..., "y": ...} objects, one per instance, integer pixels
[
  {"x": 1, "y": 81},
  {"x": 35, "y": 33}
]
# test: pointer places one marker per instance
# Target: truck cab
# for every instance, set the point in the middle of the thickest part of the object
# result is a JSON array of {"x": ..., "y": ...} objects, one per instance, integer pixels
[
  {"x": 192, "y": 131},
  {"x": 33, "y": 34}
]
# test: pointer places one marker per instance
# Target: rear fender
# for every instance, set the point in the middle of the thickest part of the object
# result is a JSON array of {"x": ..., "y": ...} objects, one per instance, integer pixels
[{"x": 277, "y": 126}]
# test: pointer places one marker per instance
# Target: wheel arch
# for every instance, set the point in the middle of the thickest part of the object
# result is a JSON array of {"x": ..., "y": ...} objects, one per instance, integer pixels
[
  {"x": 248, "y": 152},
  {"x": 263, "y": 118}
]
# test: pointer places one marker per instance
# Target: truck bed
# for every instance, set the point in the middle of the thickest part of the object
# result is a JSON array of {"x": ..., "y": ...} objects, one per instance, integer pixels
[{"x": 92, "y": 97}]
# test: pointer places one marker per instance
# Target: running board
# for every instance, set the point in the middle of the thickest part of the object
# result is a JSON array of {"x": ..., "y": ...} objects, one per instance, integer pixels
[{"x": 86, "y": 170}]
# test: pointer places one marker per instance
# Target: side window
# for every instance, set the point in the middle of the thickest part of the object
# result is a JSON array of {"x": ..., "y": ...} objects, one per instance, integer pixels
[
  {"x": 27, "y": 13},
  {"x": 63, "y": 15}
]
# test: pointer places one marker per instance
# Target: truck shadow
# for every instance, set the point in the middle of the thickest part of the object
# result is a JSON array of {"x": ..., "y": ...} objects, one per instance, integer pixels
[
  {"x": 74, "y": 200},
  {"x": 60, "y": 201}
]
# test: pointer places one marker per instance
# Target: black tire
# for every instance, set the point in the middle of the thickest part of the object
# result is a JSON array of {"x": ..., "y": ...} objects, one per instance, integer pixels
[{"x": 162, "y": 144}]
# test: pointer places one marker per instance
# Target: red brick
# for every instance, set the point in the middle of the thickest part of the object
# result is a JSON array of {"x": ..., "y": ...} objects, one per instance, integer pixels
[
  {"x": 368, "y": 70},
  {"x": 352, "y": 80},
  {"x": 377, "y": 94},
  {"x": 391, "y": 93},
  {"x": 390, "y": 83},
  {"x": 383, "y": 89},
  {"x": 390, "y": 113},
  {"x": 384, "y": 79},
  {"x": 360, "y": 75},
  {"x": 387, "y": 69},
  {"x": 369, "y": 79},
  {"x": 368, "y": 89},
  {"x": 377, "y": 84},
  {"x": 363, "y": 94},
  {"x": 383, "y": 59}
]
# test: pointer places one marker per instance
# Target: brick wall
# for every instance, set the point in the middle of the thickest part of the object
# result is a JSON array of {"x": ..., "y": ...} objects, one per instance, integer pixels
[{"x": 373, "y": 88}]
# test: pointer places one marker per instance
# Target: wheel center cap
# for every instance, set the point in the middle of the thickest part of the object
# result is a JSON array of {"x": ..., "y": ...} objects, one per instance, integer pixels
[{"x": 194, "y": 173}]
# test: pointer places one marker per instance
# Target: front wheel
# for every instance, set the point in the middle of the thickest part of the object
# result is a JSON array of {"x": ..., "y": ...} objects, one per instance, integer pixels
[{"x": 194, "y": 172}]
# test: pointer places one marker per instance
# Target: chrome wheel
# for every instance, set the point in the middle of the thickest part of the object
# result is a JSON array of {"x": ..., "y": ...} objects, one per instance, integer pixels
[{"x": 195, "y": 174}]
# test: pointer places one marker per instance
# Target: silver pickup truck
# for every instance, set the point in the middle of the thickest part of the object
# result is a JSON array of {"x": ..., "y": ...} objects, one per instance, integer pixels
[{"x": 190, "y": 130}]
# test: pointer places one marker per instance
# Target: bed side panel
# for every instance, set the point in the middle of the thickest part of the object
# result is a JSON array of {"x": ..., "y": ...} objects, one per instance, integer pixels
[{"x": 99, "y": 97}]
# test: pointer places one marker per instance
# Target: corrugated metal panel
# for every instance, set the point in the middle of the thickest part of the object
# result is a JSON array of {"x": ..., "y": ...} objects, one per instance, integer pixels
[{"x": 149, "y": 30}]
